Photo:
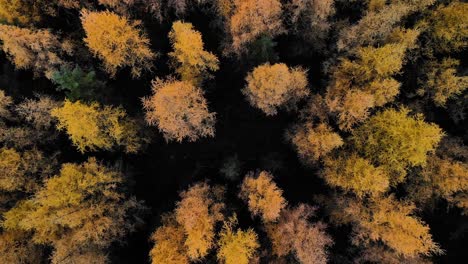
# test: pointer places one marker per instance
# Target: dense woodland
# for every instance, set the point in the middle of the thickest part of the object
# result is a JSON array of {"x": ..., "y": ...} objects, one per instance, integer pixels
[{"x": 233, "y": 131}]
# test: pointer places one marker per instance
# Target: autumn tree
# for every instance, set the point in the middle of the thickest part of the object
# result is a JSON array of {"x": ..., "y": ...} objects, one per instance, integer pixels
[
  {"x": 388, "y": 221},
  {"x": 309, "y": 20},
  {"x": 117, "y": 41},
  {"x": 191, "y": 61},
  {"x": 28, "y": 123},
  {"x": 293, "y": 233},
  {"x": 444, "y": 177},
  {"x": 270, "y": 87},
  {"x": 441, "y": 82},
  {"x": 251, "y": 19},
  {"x": 37, "y": 50},
  {"x": 353, "y": 173},
  {"x": 448, "y": 27},
  {"x": 37, "y": 111},
  {"x": 179, "y": 110},
  {"x": 378, "y": 23},
  {"x": 20, "y": 12},
  {"x": 367, "y": 81},
  {"x": 92, "y": 126},
  {"x": 23, "y": 171},
  {"x": 396, "y": 141},
  {"x": 17, "y": 247},
  {"x": 81, "y": 210},
  {"x": 236, "y": 246},
  {"x": 262, "y": 195},
  {"x": 314, "y": 142},
  {"x": 198, "y": 212},
  {"x": 169, "y": 243}
]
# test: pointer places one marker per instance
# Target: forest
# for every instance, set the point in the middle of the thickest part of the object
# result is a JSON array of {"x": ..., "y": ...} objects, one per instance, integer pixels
[{"x": 233, "y": 131}]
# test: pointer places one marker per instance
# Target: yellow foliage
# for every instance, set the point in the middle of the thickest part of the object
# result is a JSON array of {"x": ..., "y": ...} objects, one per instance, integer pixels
[
  {"x": 262, "y": 195},
  {"x": 191, "y": 61},
  {"x": 38, "y": 50},
  {"x": 83, "y": 207},
  {"x": 169, "y": 242},
  {"x": 389, "y": 221},
  {"x": 5, "y": 103},
  {"x": 19, "y": 12},
  {"x": 272, "y": 86},
  {"x": 441, "y": 178},
  {"x": 17, "y": 247},
  {"x": 366, "y": 82},
  {"x": 92, "y": 127},
  {"x": 179, "y": 110},
  {"x": 378, "y": 23},
  {"x": 442, "y": 83},
  {"x": 197, "y": 213},
  {"x": 21, "y": 171},
  {"x": 314, "y": 142},
  {"x": 117, "y": 41},
  {"x": 355, "y": 174},
  {"x": 396, "y": 141},
  {"x": 253, "y": 18},
  {"x": 449, "y": 27},
  {"x": 294, "y": 234},
  {"x": 236, "y": 246}
]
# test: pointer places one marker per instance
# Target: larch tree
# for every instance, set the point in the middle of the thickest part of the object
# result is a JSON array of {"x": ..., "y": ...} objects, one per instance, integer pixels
[
  {"x": 91, "y": 126},
  {"x": 23, "y": 171},
  {"x": 17, "y": 247},
  {"x": 367, "y": 81},
  {"x": 396, "y": 141},
  {"x": 293, "y": 233},
  {"x": 22, "y": 12},
  {"x": 34, "y": 49},
  {"x": 444, "y": 177},
  {"x": 441, "y": 81},
  {"x": 251, "y": 19},
  {"x": 262, "y": 195},
  {"x": 117, "y": 41},
  {"x": 355, "y": 174},
  {"x": 236, "y": 246},
  {"x": 197, "y": 213},
  {"x": 313, "y": 143},
  {"x": 388, "y": 221},
  {"x": 179, "y": 110},
  {"x": 37, "y": 111},
  {"x": 378, "y": 23},
  {"x": 27, "y": 124},
  {"x": 309, "y": 19},
  {"x": 270, "y": 87},
  {"x": 191, "y": 61},
  {"x": 448, "y": 27},
  {"x": 79, "y": 212},
  {"x": 169, "y": 243}
]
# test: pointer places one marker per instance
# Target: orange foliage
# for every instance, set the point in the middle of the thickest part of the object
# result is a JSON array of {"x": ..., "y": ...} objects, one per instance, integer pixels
[
  {"x": 38, "y": 50},
  {"x": 197, "y": 213},
  {"x": 253, "y": 18},
  {"x": 270, "y": 87},
  {"x": 169, "y": 242},
  {"x": 389, "y": 221},
  {"x": 117, "y": 41},
  {"x": 179, "y": 110},
  {"x": 314, "y": 142},
  {"x": 294, "y": 234},
  {"x": 262, "y": 195}
]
